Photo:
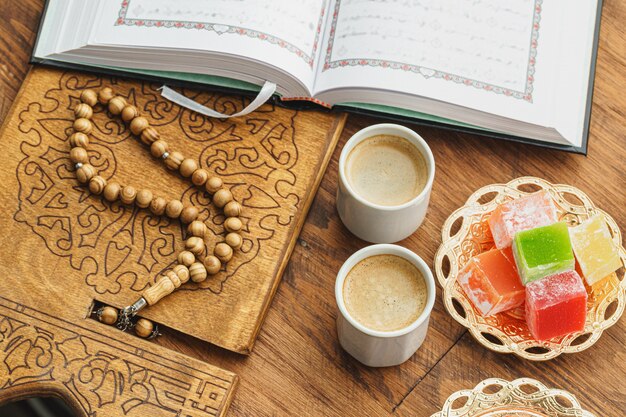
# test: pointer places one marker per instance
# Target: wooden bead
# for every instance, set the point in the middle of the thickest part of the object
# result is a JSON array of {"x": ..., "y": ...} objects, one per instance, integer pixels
[
  {"x": 182, "y": 272},
  {"x": 107, "y": 315},
  {"x": 111, "y": 191},
  {"x": 197, "y": 272},
  {"x": 129, "y": 112},
  {"x": 85, "y": 173},
  {"x": 105, "y": 95},
  {"x": 195, "y": 245},
  {"x": 144, "y": 328},
  {"x": 233, "y": 224},
  {"x": 89, "y": 97},
  {"x": 138, "y": 124},
  {"x": 213, "y": 184},
  {"x": 199, "y": 177},
  {"x": 158, "y": 148},
  {"x": 149, "y": 135},
  {"x": 234, "y": 240},
  {"x": 223, "y": 252},
  {"x": 197, "y": 228},
  {"x": 144, "y": 198},
  {"x": 232, "y": 209},
  {"x": 173, "y": 209},
  {"x": 186, "y": 258},
  {"x": 222, "y": 197},
  {"x": 212, "y": 265},
  {"x": 189, "y": 214},
  {"x": 187, "y": 167},
  {"x": 173, "y": 276},
  {"x": 83, "y": 111},
  {"x": 97, "y": 184},
  {"x": 83, "y": 125},
  {"x": 79, "y": 139},
  {"x": 79, "y": 155},
  {"x": 116, "y": 105},
  {"x": 128, "y": 194},
  {"x": 174, "y": 160},
  {"x": 157, "y": 206}
]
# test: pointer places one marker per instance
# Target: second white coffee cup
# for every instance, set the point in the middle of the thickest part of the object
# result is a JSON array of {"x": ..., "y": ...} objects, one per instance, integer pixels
[
  {"x": 377, "y": 223},
  {"x": 382, "y": 348}
]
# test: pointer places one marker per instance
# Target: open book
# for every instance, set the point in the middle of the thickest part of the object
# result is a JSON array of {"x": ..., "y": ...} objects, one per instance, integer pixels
[{"x": 520, "y": 68}]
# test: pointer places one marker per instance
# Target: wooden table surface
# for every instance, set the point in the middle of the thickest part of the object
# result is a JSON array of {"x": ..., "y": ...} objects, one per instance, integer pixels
[{"x": 297, "y": 367}]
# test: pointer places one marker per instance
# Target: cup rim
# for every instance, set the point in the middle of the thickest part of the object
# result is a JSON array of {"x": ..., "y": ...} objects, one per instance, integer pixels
[
  {"x": 403, "y": 132},
  {"x": 386, "y": 249}
]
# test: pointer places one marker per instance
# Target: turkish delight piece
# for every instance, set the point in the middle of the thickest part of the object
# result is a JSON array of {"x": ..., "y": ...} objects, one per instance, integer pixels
[
  {"x": 595, "y": 251},
  {"x": 492, "y": 283},
  {"x": 535, "y": 210},
  {"x": 543, "y": 251},
  {"x": 556, "y": 305}
]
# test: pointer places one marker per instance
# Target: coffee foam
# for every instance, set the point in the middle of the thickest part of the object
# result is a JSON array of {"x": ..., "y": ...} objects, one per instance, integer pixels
[
  {"x": 386, "y": 170},
  {"x": 385, "y": 292}
]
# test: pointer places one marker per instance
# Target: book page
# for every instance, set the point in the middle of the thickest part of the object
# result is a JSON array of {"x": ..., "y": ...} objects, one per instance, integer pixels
[
  {"x": 282, "y": 33},
  {"x": 480, "y": 54}
]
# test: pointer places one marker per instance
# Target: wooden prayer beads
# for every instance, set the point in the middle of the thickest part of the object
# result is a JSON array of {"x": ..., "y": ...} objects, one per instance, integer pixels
[
  {"x": 149, "y": 135},
  {"x": 232, "y": 209},
  {"x": 128, "y": 194},
  {"x": 174, "y": 160},
  {"x": 144, "y": 328},
  {"x": 222, "y": 197},
  {"x": 233, "y": 224},
  {"x": 213, "y": 184},
  {"x": 83, "y": 111},
  {"x": 188, "y": 167},
  {"x": 107, "y": 315},
  {"x": 89, "y": 97},
  {"x": 197, "y": 228},
  {"x": 79, "y": 139},
  {"x": 186, "y": 258},
  {"x": 97, "y": 184},
  {"x": 212, "y": 264},
  {"x": 144, "y": 198},
  {"x": 116, "y": 105},
  {"x": 234, "y": 240},
  {"x": 223, "y": 252},
  {"x": 85, "y": 173},
  {"x": 197, "y": 272},
  {"x": 129, "y": 113},
  {"x": 173, "y": 209},
  {"x": 157, "y": 206},
  {"x": 112, "y": 191},
  {"x": 79, "y": 155},
  {"x": 189, "y": 266},
  {"x": 195, "y": 245},
  {"x": 82, "y": 125},
  {"x": 138, "y": 124},
  {"x": 199, "y": 177},
  {"x": 189, "y": 214}
]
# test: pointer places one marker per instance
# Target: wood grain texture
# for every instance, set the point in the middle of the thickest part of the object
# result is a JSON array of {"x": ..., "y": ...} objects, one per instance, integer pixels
[{"x": 297, "y": 367}]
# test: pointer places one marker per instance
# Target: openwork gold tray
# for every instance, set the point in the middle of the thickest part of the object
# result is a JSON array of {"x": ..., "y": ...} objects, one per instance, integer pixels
[
  {"x": 466, "y": 234},
  {"x": 523, "y": 397}
]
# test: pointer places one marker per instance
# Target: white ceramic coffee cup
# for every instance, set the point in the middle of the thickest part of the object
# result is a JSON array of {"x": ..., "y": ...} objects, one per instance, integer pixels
[
  {"x": 378, "y": 348},
  {"x": 373, "y": 222}
]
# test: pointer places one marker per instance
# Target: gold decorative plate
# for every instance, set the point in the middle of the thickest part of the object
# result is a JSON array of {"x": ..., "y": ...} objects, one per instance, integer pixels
[
  {"x": 466, "y": 234},
  {"x": 523, "y": 397}
]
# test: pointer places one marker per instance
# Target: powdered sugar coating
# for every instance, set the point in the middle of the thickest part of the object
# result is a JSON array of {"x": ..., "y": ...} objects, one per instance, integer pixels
[{"x": 535, "y": 210}]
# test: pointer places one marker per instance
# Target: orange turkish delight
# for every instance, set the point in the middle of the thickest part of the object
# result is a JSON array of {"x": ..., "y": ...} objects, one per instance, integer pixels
[{"x": 492, "y": 283}]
